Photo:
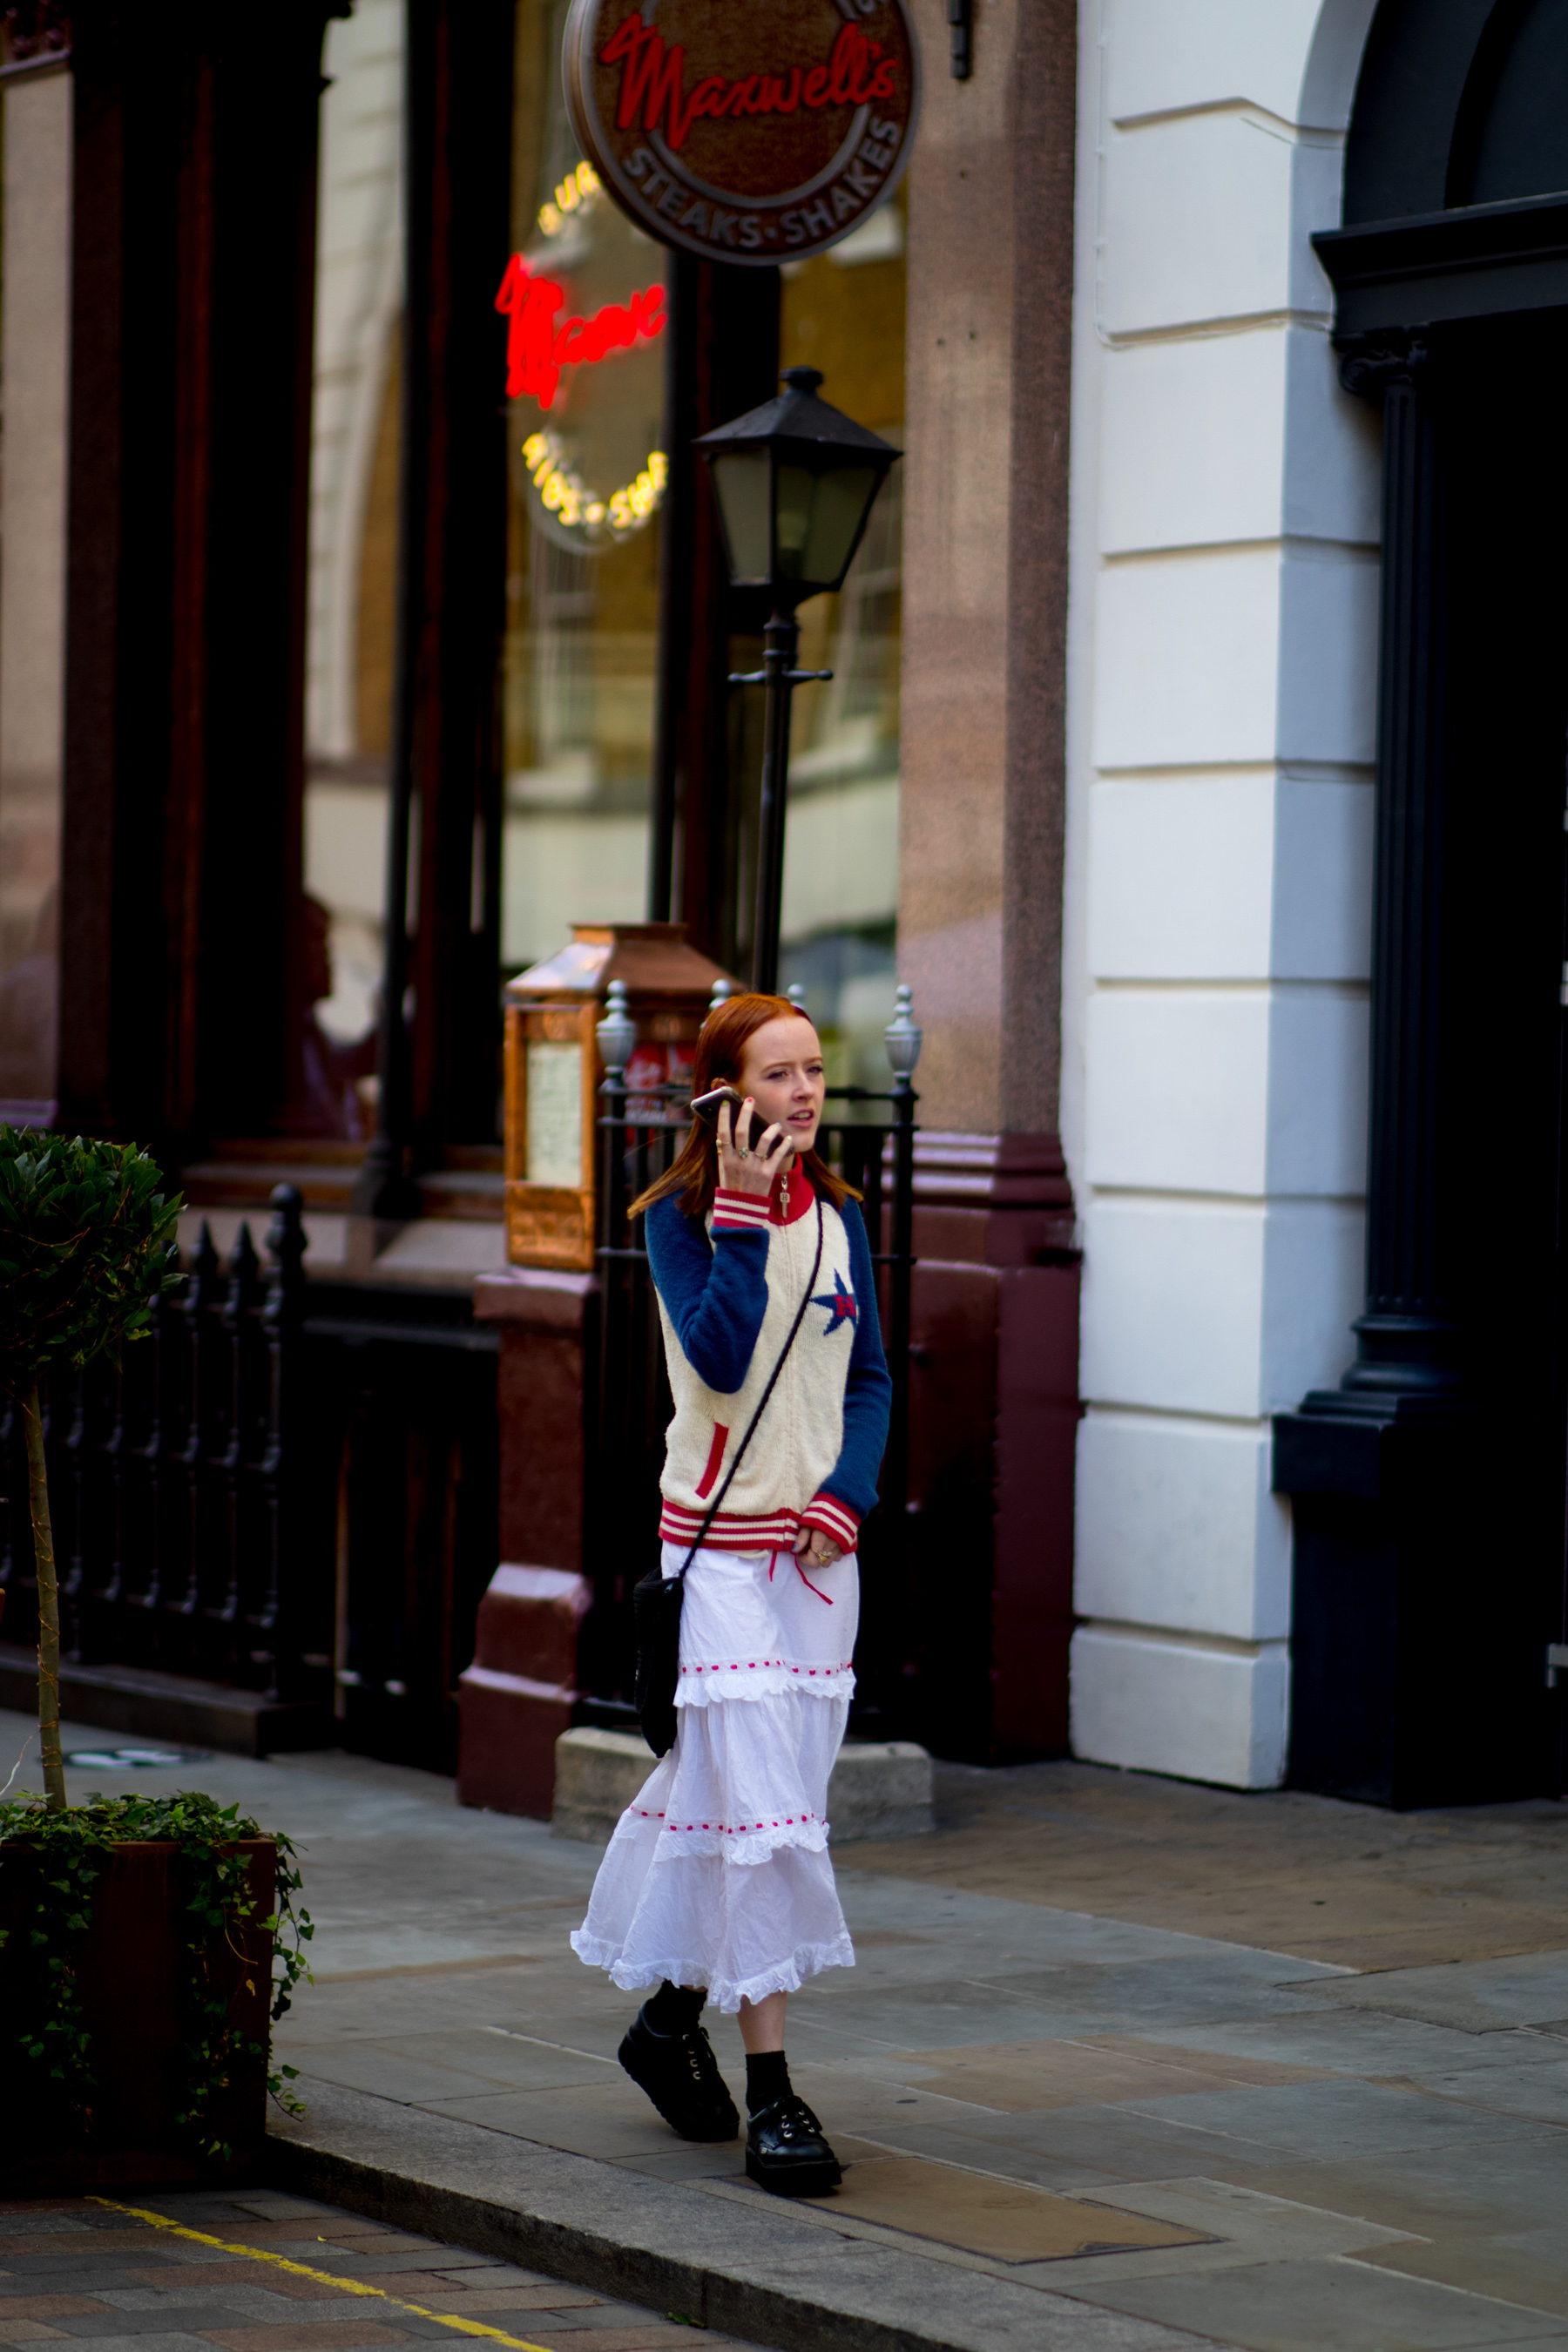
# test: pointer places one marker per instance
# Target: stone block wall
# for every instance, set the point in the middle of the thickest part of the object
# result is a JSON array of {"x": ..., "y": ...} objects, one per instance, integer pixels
[{"x": 1222, "y": 672}]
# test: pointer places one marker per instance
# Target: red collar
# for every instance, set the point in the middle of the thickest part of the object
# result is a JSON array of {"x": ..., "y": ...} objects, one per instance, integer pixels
[{"x": 800, "y": 1198}]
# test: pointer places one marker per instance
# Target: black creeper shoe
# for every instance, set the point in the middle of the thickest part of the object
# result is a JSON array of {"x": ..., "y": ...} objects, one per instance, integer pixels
[
  {"x": 680, "y": 2075},
  {"x": 787, "y": 2153}
]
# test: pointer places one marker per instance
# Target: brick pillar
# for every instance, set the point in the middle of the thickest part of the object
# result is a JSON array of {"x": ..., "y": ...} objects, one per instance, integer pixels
[
  {"x": 994, "y": 1418},
  {"x": 518, "y": 1695}
]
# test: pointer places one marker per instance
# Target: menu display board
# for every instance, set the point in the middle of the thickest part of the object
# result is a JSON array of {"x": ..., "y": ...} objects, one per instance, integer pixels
[
  {"x": 555, "y": 1114},
  {"x": 552, "y": 1069},
  {"x": 744, "y": 134}
]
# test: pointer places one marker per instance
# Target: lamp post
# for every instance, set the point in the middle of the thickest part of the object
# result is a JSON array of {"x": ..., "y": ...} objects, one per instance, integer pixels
[{"x": 795, "y": 480}]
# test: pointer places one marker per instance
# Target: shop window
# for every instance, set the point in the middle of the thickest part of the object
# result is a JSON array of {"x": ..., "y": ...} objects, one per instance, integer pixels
[
  {"x": 583, "y": 335},
  {"x": 588, "y": 472},
  {"x": 844, "y": 313},
  {"x": 35, "y": 340},
  {"x": 353, "y": 558}
]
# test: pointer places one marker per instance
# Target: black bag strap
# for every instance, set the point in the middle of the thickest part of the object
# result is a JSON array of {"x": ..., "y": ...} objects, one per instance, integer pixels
[{"x": 712, "y": 1511}]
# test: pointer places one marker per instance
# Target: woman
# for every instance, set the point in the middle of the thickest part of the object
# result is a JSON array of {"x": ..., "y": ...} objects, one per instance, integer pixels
[{"x": 717, "y": 1883}]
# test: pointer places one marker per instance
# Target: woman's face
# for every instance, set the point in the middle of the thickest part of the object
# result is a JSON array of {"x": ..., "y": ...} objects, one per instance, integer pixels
[{"x": 781, "y": 1071}]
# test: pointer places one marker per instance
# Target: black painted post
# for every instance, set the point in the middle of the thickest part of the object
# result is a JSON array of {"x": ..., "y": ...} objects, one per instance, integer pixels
[
  {"x": 275, "y": 1624},
  {"x": 1374, "y": 1467},
  {"x": 1405, "y": 1356},
  {"x": 146, "y": 1597},
  {"x": 244, "y": 1269},
  {"x": 613, "y": 1372},
  {"x": 895, "y": 1492},
  {"x": 184, "y": 1590},
  {"x": 1406, "y": 1336},
  {"x": 780, "y": 640},
  {"x": 74, "y": 1448},
  {"x": 108, "y": 1596}
]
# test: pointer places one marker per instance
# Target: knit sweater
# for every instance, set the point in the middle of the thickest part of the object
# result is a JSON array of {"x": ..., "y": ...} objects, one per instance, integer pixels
[{"x": 727, "y": 1297}]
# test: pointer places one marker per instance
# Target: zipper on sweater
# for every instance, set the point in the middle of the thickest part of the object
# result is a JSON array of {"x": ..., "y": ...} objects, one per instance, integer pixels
[{"x": 802, "y": 1268}]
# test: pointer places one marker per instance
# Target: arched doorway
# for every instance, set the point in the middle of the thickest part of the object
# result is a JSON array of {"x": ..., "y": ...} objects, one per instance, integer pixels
[{"x": 1429, "y": 1486}]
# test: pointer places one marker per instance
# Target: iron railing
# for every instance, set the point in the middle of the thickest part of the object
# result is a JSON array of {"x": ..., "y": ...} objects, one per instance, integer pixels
[
  {"x": 173, "y": 1482},
  {"x": 288, "y": 1488},
  {"x": 868, "y": 1138}
]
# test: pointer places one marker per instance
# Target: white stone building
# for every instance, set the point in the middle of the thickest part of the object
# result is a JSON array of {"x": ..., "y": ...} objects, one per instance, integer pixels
[{"x": 1223, "y": 658}]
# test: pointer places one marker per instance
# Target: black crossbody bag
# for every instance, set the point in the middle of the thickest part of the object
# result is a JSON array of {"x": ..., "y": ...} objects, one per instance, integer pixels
[{"x": 656, "y": 1598}]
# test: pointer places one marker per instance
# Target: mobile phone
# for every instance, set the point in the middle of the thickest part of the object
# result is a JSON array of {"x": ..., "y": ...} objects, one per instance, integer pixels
[{"x": 706, "y": 1106}]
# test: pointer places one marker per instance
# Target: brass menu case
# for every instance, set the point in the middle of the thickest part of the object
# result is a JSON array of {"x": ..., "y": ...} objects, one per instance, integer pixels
[{"x": 554, "y": 1069}]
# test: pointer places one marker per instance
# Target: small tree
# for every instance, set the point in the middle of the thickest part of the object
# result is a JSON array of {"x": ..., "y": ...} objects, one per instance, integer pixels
[{"x": 87, "y": 1244}]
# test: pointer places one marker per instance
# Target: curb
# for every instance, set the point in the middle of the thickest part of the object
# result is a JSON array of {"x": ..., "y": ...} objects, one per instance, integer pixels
[
  {"x": 763, "y": 2275},
  {"x": 142, "y": 1704}
]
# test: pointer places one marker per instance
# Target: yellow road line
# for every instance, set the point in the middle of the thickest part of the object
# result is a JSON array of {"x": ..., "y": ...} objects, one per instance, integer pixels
[{"x": 325, "y": 2278}]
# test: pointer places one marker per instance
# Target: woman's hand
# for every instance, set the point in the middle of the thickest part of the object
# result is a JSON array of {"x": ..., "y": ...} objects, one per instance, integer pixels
[
  {"x": 749, "y": 1162},
  {"x": 819, "y": 1550}
]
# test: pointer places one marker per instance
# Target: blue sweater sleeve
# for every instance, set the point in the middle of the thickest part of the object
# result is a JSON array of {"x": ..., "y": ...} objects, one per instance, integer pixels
[
  {"x": 716, "y": 1292},
  {"x": 868, "y": 1391}
]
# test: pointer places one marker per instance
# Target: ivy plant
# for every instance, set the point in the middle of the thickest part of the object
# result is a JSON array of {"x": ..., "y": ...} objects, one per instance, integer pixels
[
  {"x": 44, "y": 2017},
  {"x": 86, "y": 1244}
]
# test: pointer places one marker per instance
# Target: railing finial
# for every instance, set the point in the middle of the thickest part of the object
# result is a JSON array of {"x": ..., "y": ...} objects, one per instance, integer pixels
[
  {"x": 617, "y": 1031},
  {"x": 903, "y": 1036}
]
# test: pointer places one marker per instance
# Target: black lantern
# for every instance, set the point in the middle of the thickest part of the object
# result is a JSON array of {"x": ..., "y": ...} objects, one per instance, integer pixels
[{"x": 795, "y": 482}]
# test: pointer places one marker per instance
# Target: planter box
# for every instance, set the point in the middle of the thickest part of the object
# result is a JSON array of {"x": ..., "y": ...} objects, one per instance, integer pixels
[{"x": 128, "y": 1980}]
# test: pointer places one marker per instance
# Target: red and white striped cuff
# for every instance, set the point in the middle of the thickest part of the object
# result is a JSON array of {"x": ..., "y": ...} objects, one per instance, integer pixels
[
  {"x": 739, "y": 1212},
  {"x": 833, "y": 1518}
]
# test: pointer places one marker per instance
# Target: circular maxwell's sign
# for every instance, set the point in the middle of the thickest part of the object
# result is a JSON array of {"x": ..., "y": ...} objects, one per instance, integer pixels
[{"x": 743, "y": 132}]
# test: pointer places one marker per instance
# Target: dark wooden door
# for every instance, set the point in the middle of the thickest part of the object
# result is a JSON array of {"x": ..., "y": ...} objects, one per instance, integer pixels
[{"x": 1503, "y": 530}]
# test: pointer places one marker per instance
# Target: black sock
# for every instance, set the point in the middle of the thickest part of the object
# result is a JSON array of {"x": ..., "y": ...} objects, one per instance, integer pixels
[
  {"x": 767, "y": 2079},
  {"x": 674, "y": 2009}
]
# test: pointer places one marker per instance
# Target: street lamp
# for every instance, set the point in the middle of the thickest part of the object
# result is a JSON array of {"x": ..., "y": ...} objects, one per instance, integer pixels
[{"x": 795, "y": 480}]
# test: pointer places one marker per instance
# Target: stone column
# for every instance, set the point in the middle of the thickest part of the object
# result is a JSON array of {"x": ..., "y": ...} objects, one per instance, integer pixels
[
  {"x": 982, "y": 762},
  {"x": 985, "y": 492}
]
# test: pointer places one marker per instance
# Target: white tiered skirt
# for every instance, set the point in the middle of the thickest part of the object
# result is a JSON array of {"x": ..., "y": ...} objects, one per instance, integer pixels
[{"x": 718, "y": 1874}]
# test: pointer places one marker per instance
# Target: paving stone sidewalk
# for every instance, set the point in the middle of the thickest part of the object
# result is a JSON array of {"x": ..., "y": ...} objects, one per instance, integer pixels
[
  {"x": 288, "y": 2274},
  {"x": 1074, "y": 2114}
]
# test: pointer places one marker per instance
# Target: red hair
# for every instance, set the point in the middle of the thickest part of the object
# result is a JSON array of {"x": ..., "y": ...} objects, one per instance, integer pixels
[{"x": 720, "y": 1049}]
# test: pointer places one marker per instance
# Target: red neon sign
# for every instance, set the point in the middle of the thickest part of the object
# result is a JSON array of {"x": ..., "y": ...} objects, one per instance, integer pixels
[
  {"x": 537, "y": 349},
  {"x": 653, "y": 77}
]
